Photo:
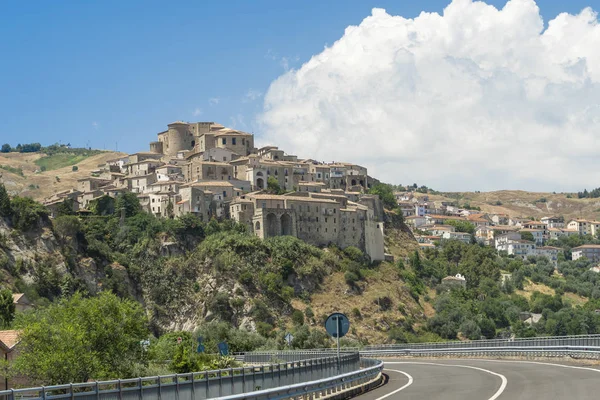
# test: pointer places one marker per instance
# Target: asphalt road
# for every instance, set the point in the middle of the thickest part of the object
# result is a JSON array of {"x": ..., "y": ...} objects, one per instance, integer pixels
[{"x": 486, "y": 380}]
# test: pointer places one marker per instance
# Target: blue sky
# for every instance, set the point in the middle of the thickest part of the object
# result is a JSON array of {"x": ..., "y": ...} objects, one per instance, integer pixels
[{"x": 104, "y": 72}]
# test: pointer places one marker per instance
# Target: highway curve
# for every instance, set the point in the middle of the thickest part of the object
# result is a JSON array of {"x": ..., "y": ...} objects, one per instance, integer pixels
[{"x": 486, "y": 380}]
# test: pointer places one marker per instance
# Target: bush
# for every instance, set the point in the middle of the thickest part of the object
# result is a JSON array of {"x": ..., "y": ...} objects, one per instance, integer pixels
[
  {"x": 351, "y": 278},
  {"x": 471, "y": 330},
  {"x": 298, "y": 317},
  {"x": 27, "y": 213},
  {"x": 75, "y": 168}
]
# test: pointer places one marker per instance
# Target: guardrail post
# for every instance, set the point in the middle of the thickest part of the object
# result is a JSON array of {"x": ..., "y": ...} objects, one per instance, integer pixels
[
  {"x": 97, "y": 391},
  {"x": 71, "y": 390},
  {"x": 232, "y": 382},
  {"x": 207, "y": 386},
  {"x": 193, "y": 394},
  {"x": 119, "y": 386},
  {"x": 159, "y": 387},
  {"x": 43, "y": 392},
  {"x": 141, "y": 388},
  {"x": 220, "y": 384}
]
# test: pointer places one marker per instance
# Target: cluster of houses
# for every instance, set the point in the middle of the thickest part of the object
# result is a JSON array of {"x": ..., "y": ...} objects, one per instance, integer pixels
[
  {"x": 9, "y": 339},
  {"x": 430, "y": 222},
  {"x": 213, "y": 171}
]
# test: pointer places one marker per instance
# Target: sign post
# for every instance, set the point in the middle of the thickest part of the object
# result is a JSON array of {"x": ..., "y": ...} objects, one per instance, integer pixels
[{"x": 337, "y": 325}]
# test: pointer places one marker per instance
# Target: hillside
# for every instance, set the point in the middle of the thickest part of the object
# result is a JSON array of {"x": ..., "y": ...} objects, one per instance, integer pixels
[
  {"x": 518, "y": 203},
  {"x": 21, "y": 175}
]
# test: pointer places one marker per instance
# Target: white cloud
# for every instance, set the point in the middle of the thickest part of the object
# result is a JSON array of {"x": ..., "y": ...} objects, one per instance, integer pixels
[
  {"x": 238, "y": 122},
  {"x": 252, "y": 95},
  {"x": 283, "y": 61},
  {"x": 476, "y": 98},
  {"x": 197, "y": 112},
  {"x": 95, "y": 125},
  {"x": 213, "y": 101}
]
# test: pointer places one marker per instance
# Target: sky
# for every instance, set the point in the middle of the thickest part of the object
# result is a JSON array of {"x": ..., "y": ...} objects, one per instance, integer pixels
[{"x": 456, "y": 95}]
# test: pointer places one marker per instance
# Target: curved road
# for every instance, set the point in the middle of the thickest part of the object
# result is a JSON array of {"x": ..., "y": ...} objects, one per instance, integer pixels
[{"x": 486, "y": 380}]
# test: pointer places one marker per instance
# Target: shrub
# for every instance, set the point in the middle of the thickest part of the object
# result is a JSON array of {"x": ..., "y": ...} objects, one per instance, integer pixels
[
  {"x": 27, "y": 213},
  {"x": 298, "y": 317},
  {"x": 75, "y": 168}
]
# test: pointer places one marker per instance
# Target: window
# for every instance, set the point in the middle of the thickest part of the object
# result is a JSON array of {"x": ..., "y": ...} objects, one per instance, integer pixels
[
  {"x": 334, "y": 221},
  {"x": 325, "y": 219},
  {"x": 317, "y": 219},
  {"x": 233, "y": 140},
  {"x": 224, "y": 140},
  {"x": 264, "y": 204},
  {"x": 243, "y": 141}
]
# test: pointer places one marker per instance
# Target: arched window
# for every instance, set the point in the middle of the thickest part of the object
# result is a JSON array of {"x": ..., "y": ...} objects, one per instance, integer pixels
[{"x": 257, "y": 226}]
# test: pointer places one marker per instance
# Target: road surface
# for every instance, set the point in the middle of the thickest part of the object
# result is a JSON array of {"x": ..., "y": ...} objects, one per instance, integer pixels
[{"x": 486, "y": 380}]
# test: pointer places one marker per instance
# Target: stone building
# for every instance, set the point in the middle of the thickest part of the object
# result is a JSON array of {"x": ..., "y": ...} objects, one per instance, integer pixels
[
  {"x": 200, "y": 137},
  {"x": 316, "y": 220},
  {"x": 207, "y": 170}
]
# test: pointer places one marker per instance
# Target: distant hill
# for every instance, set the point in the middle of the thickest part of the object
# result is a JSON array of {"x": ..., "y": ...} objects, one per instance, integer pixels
[
  {"x": 526, "y": 204},
  {"x": 21, "y": 172}
]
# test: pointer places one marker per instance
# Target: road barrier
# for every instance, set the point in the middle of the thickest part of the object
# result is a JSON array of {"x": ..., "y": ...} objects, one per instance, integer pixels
[
  {"x": 312, "y": 373},
  {"x": 579, "y": 352},
  {"x": 579, "y": 340},
  {"x": 320, "y": 373}
]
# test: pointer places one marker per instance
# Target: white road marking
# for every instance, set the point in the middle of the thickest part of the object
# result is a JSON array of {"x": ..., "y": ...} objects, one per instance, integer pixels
[
  {"x": 410, "y": 381},
  {"x": 535, "y": 362},
  {"x": 494, "y": 397}
]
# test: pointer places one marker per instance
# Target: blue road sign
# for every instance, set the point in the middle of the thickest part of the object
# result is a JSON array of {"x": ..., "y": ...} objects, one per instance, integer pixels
[
  {"x": 223, "y": 349},
  {"x": 337, "y": 323}
]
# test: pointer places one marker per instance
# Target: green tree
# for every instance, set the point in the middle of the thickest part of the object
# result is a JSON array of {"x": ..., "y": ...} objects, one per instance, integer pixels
[
  {"x": 527, "y": 236},
  {"x": 5, "y": 208},
  {"x": 26, "y": 212},
  {"x": 298, "y": 317},
  {"x": 78, "y": 339},
  {"x": 7, "y": 308},
  {"x": 273, "y": 186},
  {"x": 170, "y": 209},
  {"x": 462, "y": 226},
  {"x": 386, "y": 194},
  {"x": 103, "y": 205},
  {"x": 129, "y": 202},
  {"x": 6, "y": 148},
  {"x": 66, "y": 208}
]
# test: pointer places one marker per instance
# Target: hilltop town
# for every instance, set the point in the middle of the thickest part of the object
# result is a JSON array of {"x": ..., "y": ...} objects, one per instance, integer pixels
[
  {"x": 433, "y": 221},
  {"x": 210, "y": 170}
]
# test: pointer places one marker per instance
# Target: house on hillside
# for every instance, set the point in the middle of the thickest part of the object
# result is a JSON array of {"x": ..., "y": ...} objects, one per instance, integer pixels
[
  {"x": 456, "y": 280},
  {"x": 21, "y": 302},
  {"x": 589, "y": 251},
  {"x": 554, "y": 222},
  {"x": 8, "y": 342}
]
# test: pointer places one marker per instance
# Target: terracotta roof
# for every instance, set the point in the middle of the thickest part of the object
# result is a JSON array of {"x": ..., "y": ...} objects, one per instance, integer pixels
[
  {"x": 212, "y": 183},
  {"x": 17, "y": 296},
  {"x": 293, "y": 198},
  {"x": 588, "y": 246},
  {"x": 8, "y": 339}
]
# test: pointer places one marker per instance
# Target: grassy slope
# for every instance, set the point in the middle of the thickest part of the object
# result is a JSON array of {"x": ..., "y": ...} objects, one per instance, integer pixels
[
  {"x": 58, "y": 161},
  {"x": 46, "y": 181},
  {"x": 525, "y": 204}
]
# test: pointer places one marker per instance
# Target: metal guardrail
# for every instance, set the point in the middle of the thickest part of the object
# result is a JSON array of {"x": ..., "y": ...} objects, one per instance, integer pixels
[
  {"x": 199, "y": 385},
  {"x": 319, "y": 388},
  {"x": 584, "y": 352},
  {"x": 579, "y": 340}
]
